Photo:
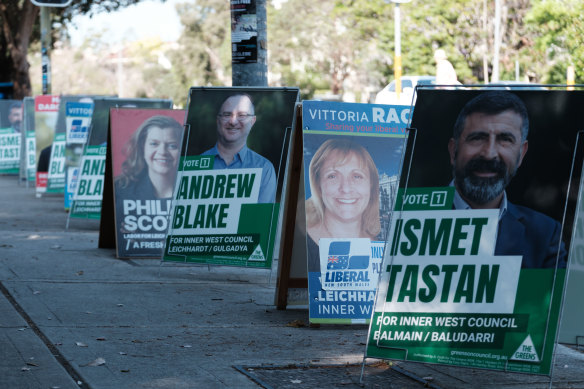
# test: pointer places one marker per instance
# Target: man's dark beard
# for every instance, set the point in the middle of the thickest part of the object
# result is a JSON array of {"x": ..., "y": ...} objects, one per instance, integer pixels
[{"x": 481, "y": 190}]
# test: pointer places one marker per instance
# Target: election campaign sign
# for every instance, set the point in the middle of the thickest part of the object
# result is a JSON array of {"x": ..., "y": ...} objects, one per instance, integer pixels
[
  {"x": 87, "y": 199},
  {"x": 28, "y": 142},
  {"x": 10, "y": 135},
  {"x": 146, "y": 147},
  {"x": 352, "y": 158},
  {"x": 56, "y": 175},
  {"x": 226, "y": 201},
  {"x": 57, "y": 163},
  {"x": 46, "y": 110},
  {"x": 77, "y": 122},
  {"x": 476, "y": 258}
]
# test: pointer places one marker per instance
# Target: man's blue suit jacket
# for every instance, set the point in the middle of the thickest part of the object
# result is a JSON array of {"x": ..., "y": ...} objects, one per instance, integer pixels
[{"x": 533, "y": 235}]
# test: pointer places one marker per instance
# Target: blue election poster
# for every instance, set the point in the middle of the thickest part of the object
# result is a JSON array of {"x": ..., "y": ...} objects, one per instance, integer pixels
[{"x": 352, "y": 160}]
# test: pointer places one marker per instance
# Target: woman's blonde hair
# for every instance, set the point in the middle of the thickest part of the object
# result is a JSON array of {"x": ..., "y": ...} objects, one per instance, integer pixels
[
  {"x": 134, "y": 164},
  {"x": 343, "y": 148}
]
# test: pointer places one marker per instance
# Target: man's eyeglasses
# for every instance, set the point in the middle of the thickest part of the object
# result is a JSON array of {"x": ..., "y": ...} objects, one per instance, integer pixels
[{"x": 225, "y": 116}]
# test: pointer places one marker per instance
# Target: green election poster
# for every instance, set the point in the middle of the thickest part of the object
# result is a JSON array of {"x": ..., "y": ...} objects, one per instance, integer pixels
[
  {"x": 475, "y": 263},
  {"x": 10, "y": 136},
  {"x": 56, "y": 174},
  {"x": 28, "y": 141},
  {"x": 89, "y": 188},
  {"x": 226, "y": 200}
]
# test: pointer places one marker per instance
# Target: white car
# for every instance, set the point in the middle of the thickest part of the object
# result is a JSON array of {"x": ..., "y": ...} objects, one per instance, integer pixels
[{"x": 388, "y": 96}]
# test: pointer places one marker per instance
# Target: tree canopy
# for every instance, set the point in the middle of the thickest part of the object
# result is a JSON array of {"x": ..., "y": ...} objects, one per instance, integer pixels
[
  {"x": 339, "y": 47},
  {"x": 21, "y": 27}
]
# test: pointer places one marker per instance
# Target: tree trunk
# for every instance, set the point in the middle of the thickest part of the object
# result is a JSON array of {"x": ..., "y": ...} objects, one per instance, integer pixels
[{"x": 17, "y": 25}]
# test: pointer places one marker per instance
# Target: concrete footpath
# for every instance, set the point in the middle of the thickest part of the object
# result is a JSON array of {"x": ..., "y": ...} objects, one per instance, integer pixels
[{"x": 74, "y": 316}]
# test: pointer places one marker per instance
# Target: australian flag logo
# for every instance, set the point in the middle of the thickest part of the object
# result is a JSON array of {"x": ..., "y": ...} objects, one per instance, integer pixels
[
  {"x": 76, "y": 125},
  {"x": 78, "y": 130},
  {"x": 339, "y": 257}
]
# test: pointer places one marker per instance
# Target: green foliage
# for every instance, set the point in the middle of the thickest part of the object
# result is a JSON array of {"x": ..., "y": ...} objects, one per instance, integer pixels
[
  {"x": 342, "y": 46},
  {"x": 203, "y": 55},
  {"x": 557, "y": 28},
  {"x": 21, "y": 27},
  {"x": 320, "y": 44}
]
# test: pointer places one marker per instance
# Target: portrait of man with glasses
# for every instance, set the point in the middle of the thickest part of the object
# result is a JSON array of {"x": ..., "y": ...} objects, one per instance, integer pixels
[{"x": 235, "y": 120}]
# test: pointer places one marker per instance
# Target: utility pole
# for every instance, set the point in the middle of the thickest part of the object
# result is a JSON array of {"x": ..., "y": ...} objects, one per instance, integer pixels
[
  {"x": 46, "y": 49},
  {"x": 249, "y": 43},
  {"x": 46, "y": 38}
]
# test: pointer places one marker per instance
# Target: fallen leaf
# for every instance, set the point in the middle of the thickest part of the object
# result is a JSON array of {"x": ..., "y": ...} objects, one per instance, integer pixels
[
  {"x": 296, "y": 324},
  {"x": 80, "y": 344},
  {"x": 98, "y": 362}
]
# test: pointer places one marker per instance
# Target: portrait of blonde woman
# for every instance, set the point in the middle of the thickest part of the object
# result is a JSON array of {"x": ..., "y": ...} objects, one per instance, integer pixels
[{"x": 344, "y": 201}]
